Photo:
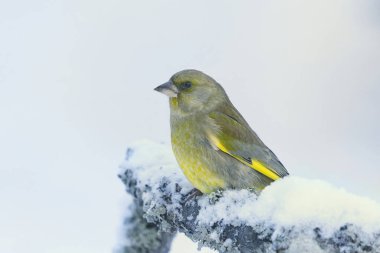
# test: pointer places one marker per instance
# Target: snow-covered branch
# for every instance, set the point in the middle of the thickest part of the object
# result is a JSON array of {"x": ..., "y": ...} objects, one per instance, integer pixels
[{"x": 291, "y": 215}]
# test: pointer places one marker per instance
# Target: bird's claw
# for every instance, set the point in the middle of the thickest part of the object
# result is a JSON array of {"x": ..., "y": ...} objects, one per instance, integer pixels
[{"x": 192, "y": 195}]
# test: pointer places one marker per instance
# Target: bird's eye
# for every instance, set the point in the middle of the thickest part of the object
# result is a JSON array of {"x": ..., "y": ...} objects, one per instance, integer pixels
[{"x": 186, "y": 85}]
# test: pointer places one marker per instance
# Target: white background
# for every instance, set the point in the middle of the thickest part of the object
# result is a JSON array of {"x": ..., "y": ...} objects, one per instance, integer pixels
[{"x": 77, "y": 81}]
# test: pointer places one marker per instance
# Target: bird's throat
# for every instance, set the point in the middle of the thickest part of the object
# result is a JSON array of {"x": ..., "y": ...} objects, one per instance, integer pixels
[{"x": 173, "y": 102}]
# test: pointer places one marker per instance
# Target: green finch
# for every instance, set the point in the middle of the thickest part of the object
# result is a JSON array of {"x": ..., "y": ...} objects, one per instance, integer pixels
[{"x": 213, "y": 144}]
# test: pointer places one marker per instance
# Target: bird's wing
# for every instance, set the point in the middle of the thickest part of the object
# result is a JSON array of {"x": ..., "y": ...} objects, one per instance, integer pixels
[{"x": 234, "y": 137}]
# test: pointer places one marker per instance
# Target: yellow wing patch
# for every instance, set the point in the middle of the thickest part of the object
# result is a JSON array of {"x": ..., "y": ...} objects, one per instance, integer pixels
[
  {"x": 256, "y": 165},
  {"x": 264, "y": 170}
]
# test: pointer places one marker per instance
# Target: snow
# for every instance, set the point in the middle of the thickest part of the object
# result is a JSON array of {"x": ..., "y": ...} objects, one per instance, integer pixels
[
  {"x": 295, "y": 201},
  {"x": 292, "y": 204},
  {"x": 153, "y": 161},
  {"x": 154, "y": 164},
  {"x": 183, "y": 244}
]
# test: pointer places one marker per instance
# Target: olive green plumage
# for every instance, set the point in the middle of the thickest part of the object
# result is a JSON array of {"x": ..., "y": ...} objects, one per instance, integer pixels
[{"x": 213, "y": 144}]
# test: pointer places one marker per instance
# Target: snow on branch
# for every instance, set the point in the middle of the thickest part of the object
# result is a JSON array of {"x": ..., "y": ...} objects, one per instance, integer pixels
[{"x": 290, "y": 215}]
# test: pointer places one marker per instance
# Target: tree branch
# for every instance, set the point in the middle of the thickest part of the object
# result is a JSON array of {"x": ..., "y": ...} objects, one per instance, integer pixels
[{"x": 224, "y": 221}]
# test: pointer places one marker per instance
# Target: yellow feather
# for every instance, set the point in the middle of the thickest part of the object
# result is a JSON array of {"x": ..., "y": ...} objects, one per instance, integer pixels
[
  {"x": 256, "y": 165},
  {"x": 264, "y": 170}
]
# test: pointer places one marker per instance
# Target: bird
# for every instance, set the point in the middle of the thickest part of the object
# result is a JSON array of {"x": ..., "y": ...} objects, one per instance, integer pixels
[{"x": 213, "y": 144}]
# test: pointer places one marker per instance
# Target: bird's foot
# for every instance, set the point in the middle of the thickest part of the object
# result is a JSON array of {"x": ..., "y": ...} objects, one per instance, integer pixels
[
  {"x": 215, "y": 196},
  {"x": 192, "y": 195}
]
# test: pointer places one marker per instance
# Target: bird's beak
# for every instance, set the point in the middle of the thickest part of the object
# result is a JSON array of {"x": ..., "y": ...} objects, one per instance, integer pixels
[{"x": 168, "y": 89}]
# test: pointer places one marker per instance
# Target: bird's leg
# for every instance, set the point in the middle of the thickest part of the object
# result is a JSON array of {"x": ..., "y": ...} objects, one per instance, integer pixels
[
  {"x": 192, "y": 194},
  {"x": 215, "y": 196}
]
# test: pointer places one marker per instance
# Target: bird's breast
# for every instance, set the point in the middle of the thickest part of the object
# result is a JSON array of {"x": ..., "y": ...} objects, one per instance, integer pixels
[{"x": 194, "y": 153}]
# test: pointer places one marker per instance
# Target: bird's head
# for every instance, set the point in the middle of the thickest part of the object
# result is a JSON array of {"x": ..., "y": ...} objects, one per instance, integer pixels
[{"x": 192, "y": 90}]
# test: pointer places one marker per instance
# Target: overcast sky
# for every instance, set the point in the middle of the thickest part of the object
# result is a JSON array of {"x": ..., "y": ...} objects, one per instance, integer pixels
[{"x": 77, "y": 81}]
